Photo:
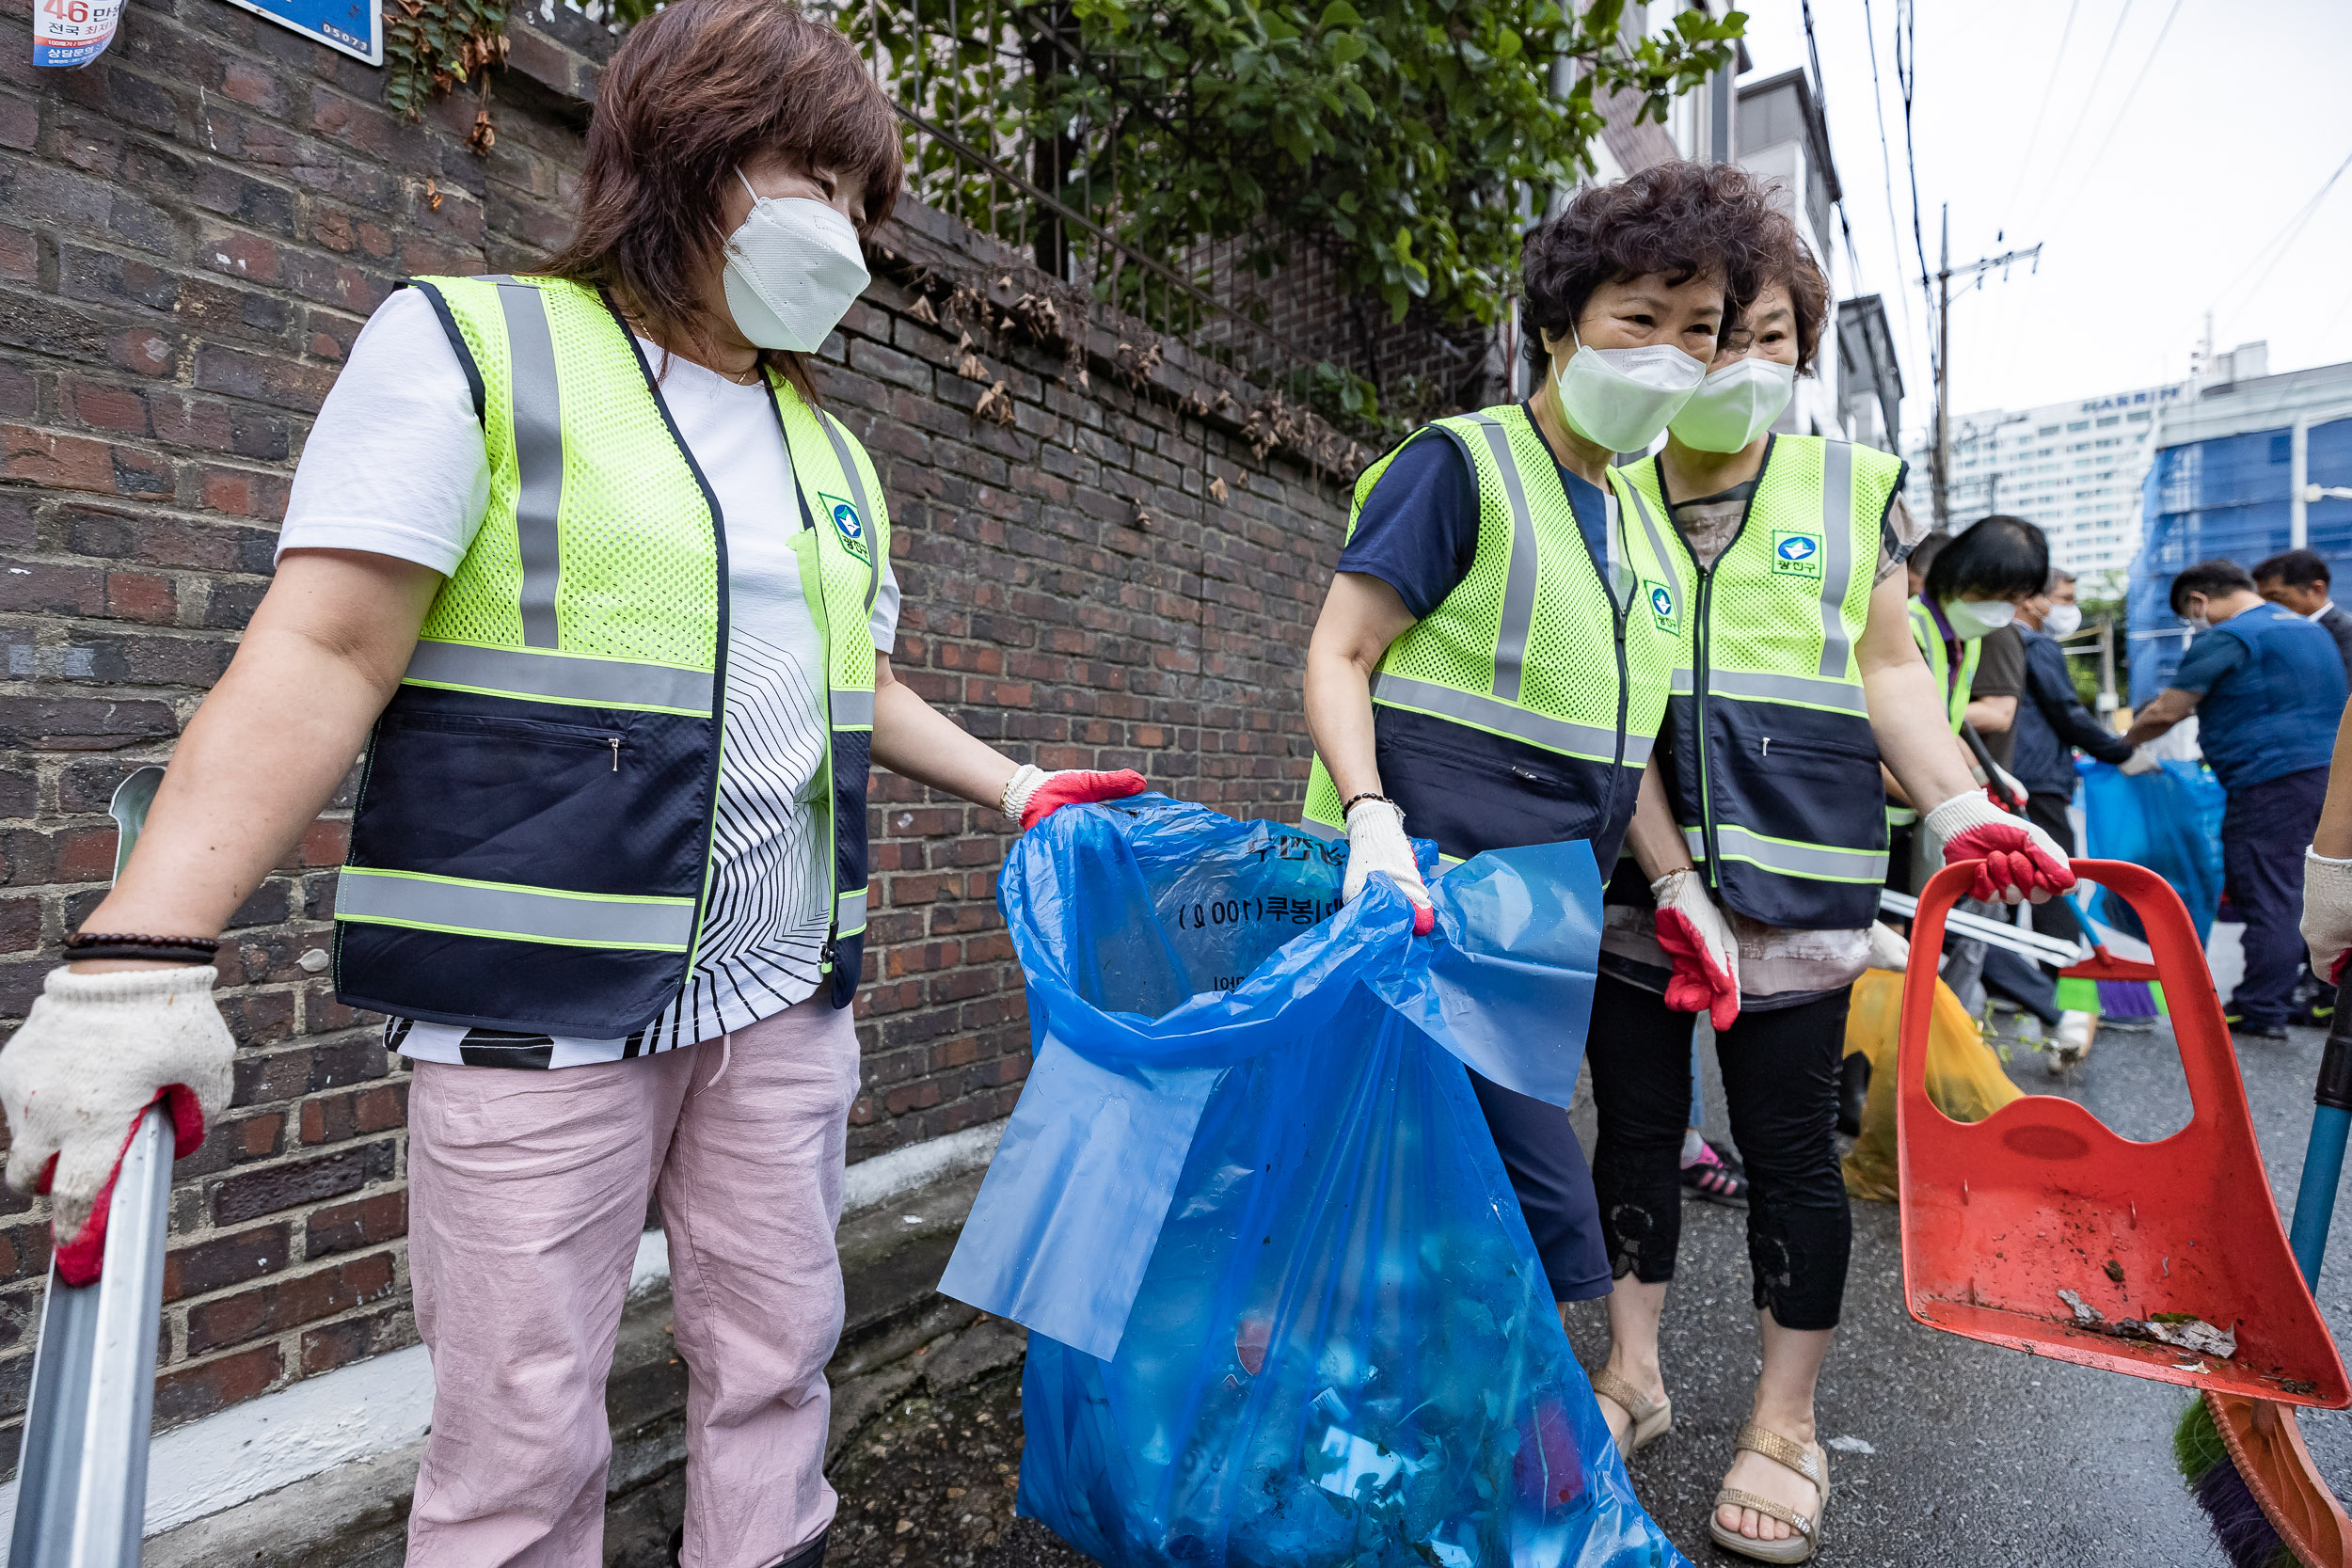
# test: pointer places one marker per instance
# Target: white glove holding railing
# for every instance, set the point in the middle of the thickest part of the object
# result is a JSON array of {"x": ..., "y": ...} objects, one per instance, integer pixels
[
  {"x": 1376, "y": 842},
  {"x": 95, "y": 1052},
  {"x": 2327, "y": 912},
  {"x": 1706, "y": 955}
]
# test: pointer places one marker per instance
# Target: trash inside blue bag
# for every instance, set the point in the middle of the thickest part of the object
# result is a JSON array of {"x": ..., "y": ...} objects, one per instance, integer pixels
[
  {"x": 2169, "y": 821},
  {"x": 1285, "y": 1309}
]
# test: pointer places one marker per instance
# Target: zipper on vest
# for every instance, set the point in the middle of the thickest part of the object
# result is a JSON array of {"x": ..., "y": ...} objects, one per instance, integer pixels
[
  {"x": 616, "y": 741},
  {"x": 1698, "y": 699}
]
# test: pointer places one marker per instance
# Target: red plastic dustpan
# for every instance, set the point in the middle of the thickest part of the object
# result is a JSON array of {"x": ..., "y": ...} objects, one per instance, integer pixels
[{"x": 2000, "y": 1216}]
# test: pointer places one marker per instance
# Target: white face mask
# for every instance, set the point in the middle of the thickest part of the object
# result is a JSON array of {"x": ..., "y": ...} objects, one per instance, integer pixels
[
  {"x": 2197, "y": 622},
  {"x": 1735, "y": 405},
  {"x": 2064, "y": 620},
  {"x": 1622, "y": 398},
  {"x": 793, "y": 270},
  {"x": 1972, "y": 618}
]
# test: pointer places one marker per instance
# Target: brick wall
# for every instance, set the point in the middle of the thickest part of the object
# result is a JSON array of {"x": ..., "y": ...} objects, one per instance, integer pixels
[{"x": 191, "y": 233}]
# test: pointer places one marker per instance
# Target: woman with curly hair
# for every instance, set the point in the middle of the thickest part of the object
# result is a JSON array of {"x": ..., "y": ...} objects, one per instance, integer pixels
[{"x": 1496, "y": 652}]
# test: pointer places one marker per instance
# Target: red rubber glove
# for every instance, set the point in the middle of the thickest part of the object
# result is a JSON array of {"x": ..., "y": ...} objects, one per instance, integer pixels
[
  {"x": 2020, "y": 861},
  {"x": 1034, "y": 795},
  {"x": 1697, "y": 936}
]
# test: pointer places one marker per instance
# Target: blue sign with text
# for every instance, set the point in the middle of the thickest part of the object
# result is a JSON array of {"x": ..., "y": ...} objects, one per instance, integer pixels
[{"x": 354, "y": 26}]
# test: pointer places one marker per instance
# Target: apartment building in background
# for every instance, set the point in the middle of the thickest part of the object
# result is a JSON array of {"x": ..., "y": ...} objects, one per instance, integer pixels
[{"x": 2075, "y": 468}]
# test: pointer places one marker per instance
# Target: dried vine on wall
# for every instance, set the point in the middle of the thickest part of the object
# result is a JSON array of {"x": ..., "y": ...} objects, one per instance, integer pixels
[{"x": 434, "y": 47}]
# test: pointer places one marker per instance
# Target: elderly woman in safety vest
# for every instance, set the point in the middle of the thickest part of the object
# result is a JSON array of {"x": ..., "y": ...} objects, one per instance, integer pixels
[
  {"x": 1495, "y": 655},
  {"x": 1765, "y": 830},
  {"x": 614, "y": 596}
]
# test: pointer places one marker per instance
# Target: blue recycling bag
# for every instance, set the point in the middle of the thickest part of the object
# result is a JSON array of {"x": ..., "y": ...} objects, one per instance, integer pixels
[
  {"x": 1283, "y": 1306},
  {"x": 2168, "y": 821}
]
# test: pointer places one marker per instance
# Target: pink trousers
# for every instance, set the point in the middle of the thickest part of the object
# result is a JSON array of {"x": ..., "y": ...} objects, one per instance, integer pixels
[{"x": 526, "y": 1198}]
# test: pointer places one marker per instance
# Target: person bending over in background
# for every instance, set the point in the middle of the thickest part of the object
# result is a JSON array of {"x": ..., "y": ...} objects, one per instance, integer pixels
[
  {"x": 2298, "y": 580},
  {"x": 2051, "y": 724},
  {"x": 2267, "y": 690}
]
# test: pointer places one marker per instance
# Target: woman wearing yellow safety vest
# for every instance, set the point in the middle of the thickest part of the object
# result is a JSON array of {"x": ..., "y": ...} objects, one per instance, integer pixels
[
  {"x": 1760, "y": 832},
  {"x": 607, "y": 599},
  {"x": 1495, "y": 655}
]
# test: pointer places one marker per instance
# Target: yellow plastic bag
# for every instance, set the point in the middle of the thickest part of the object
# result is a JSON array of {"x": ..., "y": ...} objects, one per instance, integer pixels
[{"x": 1964, "y": 1077}]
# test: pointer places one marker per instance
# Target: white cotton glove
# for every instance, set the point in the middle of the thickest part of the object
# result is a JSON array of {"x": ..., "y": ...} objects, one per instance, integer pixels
[
  {"x": 2139, "y": 762},
  {"x": 94, "y": 1053},
  {"x": 1376, "y": 842},
  {"x": 1889, "y": 948},
  {"x": 2021, "y": 861},
  {"x": 2327, "y": 912},
  {"x": 1032, "y": 793},
  {"x": 1697, "y": 936}
]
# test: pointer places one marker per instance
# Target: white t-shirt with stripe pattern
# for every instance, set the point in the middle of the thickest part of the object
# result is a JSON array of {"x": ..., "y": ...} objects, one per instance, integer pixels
[{"x": 395, "y": 466}]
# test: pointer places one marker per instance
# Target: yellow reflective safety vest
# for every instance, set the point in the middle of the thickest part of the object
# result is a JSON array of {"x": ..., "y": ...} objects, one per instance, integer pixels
[
  {"x": 531, "y": 846},
  {"x": 1768, "y": 757},
  {"x": 1523, "y": 707},
  {"x": 1927, "y": 629}
]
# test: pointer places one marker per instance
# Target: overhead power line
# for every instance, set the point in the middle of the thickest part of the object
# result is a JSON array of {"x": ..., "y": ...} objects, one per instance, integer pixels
[
  {"x": 2115, "y": 121},
  {"x": 2283, "y": 241},
  {"x": 1886, "y": 162},
  {"x": 2057, "y": 165},
  {"x": 2041, "y": 111},
  {"x": 1907, "y": 82}
]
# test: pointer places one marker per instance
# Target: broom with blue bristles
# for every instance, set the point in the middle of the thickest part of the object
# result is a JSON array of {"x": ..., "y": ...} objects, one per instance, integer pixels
[{"x": 2251, "y": 1534}]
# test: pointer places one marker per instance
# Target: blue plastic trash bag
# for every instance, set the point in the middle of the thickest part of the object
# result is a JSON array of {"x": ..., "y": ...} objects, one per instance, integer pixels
[
  {"x": 1285, "y": 1309},
  {"x": 2168, "y": 821}
]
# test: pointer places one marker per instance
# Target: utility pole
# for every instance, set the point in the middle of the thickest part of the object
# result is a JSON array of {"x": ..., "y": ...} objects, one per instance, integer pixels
[{"x": 1940, "y": 460}]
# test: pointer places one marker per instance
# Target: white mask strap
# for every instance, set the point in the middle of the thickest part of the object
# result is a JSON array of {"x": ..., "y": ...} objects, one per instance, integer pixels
[{"x": 756, "y": 198}]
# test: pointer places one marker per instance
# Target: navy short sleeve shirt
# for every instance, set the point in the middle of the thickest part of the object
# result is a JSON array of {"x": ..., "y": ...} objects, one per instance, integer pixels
[{"x": 1418, "y": 532}]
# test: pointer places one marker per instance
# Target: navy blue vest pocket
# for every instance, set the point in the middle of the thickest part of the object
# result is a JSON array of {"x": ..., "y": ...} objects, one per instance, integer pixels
[
  {"x": 1472, "y": 791},
  {"x": 537, "y": 794}
]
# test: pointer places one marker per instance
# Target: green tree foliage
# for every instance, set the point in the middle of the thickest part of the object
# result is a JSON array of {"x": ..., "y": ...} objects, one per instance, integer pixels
[{"x": 1408, "y": 139}]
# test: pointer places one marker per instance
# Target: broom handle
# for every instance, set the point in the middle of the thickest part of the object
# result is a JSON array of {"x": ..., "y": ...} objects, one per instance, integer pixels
[{"x": 2323, "y": 1163}]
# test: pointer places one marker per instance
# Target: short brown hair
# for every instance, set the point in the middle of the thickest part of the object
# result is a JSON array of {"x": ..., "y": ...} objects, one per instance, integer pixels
[
  {"x": 1680, "y": 219},
  {"x": 1790, "y": 264},
  {"x": 697, "y": 90}
]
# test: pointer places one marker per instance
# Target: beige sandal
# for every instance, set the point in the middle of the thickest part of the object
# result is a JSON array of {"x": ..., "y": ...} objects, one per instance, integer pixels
[
  {"x": 1651, "y": 1418},
  {"x": 1809, "y": 1460}
]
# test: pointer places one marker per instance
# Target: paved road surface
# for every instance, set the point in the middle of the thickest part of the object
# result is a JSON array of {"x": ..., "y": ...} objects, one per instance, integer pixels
[{"x": 1982, "y": 1457}]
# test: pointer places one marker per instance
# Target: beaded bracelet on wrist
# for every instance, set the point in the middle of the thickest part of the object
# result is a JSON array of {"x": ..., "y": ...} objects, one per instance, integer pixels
[
  {"x": 171, "y": 950},
  {"x": 1353, "y": 800}
]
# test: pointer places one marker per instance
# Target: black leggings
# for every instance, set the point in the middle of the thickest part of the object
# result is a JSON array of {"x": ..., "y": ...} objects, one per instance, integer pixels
[{"x": 1780, "y": 1075}]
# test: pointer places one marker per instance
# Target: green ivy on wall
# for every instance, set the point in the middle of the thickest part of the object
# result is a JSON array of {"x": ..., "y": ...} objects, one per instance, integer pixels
[{"x": 434, "y": 47}]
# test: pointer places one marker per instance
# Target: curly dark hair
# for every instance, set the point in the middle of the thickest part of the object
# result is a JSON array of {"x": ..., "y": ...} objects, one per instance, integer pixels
[{"x": 1682, "y": 219}]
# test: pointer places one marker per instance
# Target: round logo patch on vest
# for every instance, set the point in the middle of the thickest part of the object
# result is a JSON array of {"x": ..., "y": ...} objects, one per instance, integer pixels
[
  {"x": 1796, "y": 553},
  {"x": 1661, "y": 605},
  {"x": 847, "y": 523}
]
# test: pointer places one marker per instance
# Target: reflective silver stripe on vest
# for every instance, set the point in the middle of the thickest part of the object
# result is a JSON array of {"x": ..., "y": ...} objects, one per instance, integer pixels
[
  {"x": 864, "y": 513},
  {"x": 1845, "y": 696},
  {"x": 852, "y": 709},
  {"x": 1694, "y": 841},
  {"x": 1588, "y": 741},
  {"x": 1819, "y": 862},
  {"x": 1519, "y": 588},
  {"x": 1837, "y": 561},
  {"x": 1679, "y": 683},
  {"x": 1658, "y": 548},
  {"x": 560, "y": 677},
  {"x": 539, "y": 417},
  {"x": 849, "y": 914},
  {"x": 512, "y": 913},
  {"x": 1321, "y": 829}
]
